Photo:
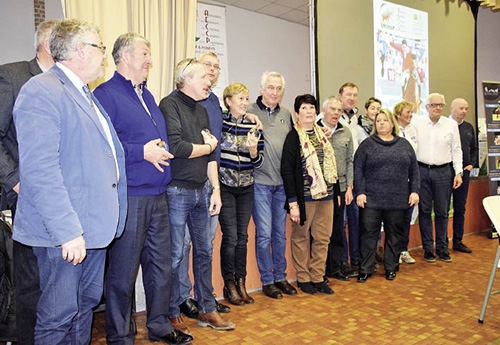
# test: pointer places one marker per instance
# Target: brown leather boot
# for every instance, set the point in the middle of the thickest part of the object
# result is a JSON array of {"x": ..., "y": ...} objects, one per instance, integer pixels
[
  {"x": 179, "y": 325},
  {"x": 242, "y": 290},
  {"x": 231, "y": 294},
  {"x": 215, "y": 321}
]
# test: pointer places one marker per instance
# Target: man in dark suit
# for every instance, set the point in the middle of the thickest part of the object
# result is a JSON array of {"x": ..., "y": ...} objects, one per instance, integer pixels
[
  {"x": 12, "y": 77},
  {"x": 72, "y": 197}
]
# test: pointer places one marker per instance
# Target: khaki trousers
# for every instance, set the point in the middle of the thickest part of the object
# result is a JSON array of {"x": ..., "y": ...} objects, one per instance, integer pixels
[{"x": 309, "y": 255}]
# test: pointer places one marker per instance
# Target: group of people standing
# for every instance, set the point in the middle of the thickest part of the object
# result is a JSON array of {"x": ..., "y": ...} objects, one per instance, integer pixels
[{"x": 110, "y": 176}]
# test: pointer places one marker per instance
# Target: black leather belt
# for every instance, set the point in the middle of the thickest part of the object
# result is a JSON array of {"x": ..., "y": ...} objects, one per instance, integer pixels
[{"x": 430, "y": 166}]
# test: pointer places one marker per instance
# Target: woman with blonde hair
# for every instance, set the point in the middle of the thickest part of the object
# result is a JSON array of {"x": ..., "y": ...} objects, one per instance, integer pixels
[
  {"x": 387, "y": 182},
  {"x": 241, "y": 151}
]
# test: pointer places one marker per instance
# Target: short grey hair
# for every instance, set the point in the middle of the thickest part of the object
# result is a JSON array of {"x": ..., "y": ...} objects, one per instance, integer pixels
[
  {"x": 208, "y": 53},
  {"x": 125, "y": 43},
  {"x": 331, "y": 98},
  {"x": 184, "y": 69},
  {"x": 272, "y": 74},
  {"x": 435, "y": 94},
  {"x": 67, "y": 35},
  {"x": 43, "y": 32}
]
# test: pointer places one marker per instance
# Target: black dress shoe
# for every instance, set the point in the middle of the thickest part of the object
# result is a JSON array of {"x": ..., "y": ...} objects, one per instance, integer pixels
[
  {"x": 286, "y": 288},
  {"x": 460, "y": 247},
  {"x": 323, "y": 288},
  {"x": 272, "y": 291},
  {"x": 175, "y": 337},
  {"x": 390, "y": 275},
  {"x": 363, "y": 277},
  {"x": 222, "y": 308},
  {"x": 189, "y": 308},
  {"x": 339, "y": 276},
  {"x": 308, "y": 288}
]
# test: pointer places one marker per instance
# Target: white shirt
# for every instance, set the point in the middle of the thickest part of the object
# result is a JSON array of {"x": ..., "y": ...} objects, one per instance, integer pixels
[
  {"x": 438, "y": 143},
  {"x": 410, "y": 133},
  {"x": 352, "y": 124}
]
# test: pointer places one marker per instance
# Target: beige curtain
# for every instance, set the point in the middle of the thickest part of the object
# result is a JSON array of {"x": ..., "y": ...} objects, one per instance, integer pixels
[{"x": 170, "y": 26}]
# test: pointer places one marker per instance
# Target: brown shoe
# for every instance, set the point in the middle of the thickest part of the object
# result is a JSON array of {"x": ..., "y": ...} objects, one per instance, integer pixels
[
  {"x": 215, "y": 321},
  {"x": 286, "y": 287},
  {"x": 242, "y": 291},
  {"x": 231, "y": 293},
  {"x": 180, "y": 325}
]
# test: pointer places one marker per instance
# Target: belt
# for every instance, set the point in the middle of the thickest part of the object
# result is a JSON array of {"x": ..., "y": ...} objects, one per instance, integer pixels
[{"x": 430, "y": 166}]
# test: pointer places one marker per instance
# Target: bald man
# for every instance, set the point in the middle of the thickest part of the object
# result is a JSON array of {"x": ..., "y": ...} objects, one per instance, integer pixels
[{"x": 459, "y": 107}]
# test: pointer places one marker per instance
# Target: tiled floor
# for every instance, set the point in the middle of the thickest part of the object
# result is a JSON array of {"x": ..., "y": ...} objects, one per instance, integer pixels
[{"x": 427, "y": 304}]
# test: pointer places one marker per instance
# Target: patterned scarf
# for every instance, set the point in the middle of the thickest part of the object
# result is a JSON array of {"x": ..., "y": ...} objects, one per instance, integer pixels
[
  {"x": 319, "y": 177},
  {"x": 366, "y": 123}
]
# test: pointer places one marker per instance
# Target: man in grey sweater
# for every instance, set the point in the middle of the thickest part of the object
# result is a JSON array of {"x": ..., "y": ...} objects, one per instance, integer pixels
[
  {"x": 342, "y": 143},
  {"x": 269, "y": 213}
]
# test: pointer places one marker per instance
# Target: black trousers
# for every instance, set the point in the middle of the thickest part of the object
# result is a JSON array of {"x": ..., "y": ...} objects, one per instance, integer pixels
[
  {"x": 336, "y": 245},
  {"x": 370, "y": 221}
]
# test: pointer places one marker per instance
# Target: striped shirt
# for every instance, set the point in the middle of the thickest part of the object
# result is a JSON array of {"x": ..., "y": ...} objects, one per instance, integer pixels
[{"x": 236, "y": 165}]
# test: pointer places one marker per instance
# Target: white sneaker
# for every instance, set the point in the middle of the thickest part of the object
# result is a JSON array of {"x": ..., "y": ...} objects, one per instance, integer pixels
[{"x": 406, "y": 257}]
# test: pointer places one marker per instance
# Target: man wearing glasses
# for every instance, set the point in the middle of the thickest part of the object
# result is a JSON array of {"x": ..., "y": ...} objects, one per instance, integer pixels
[
  {"x": 72, "y": 201},
  {"x": 439, "y": 156}
]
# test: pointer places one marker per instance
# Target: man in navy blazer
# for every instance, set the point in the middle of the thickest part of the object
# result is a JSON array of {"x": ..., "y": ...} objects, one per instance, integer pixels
[
  {"x": 12, "y": 77},
  {"x": 72, "y": 199}
]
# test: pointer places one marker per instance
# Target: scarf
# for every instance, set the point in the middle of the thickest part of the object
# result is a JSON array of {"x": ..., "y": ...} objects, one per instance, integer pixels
[
  {"x": 366, "y": 123},
  {"x": 319, "y": 177}
]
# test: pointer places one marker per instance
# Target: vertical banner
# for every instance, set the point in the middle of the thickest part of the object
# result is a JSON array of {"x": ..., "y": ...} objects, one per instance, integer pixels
[
  {"x": 401, "y": 55},
  {"x": 492, "y": 111},
  {"x": 211, "y": 36}
]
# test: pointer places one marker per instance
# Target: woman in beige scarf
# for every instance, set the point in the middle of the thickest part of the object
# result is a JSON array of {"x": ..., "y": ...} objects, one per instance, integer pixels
[{"x": 309, "y": 174}]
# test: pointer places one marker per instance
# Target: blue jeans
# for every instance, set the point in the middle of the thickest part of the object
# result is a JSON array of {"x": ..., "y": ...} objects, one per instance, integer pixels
[
  {"x": 234, "y": 218},
  {"x": 435, "y": 189},
  {"x": 68, "y": 294},
  {"x": 184, "y": 280},
  {"x": 145, "y": 240},
  {"x": 459, "y": 201},
  {"x": 189, "y": 207},
  {"x": 351, "y": 249},
  {"x": 269, "y": 216},
  {"x": 370, "y": 223}
]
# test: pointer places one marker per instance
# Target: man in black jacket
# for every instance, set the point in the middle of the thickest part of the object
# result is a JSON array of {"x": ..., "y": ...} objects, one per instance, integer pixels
[
  {"x": 12, "y": 77},
  {"x": 468, "y": 140}
]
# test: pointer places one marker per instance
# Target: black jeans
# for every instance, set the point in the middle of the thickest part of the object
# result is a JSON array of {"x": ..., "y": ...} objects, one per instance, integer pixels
[
  {"x": 234, "y": 217},
  {"x": 459, "y": 201},
  {"x": 26, "y": 290},
  {"x": 336, "y": 245},
  {"x": 370, "y": 222}
]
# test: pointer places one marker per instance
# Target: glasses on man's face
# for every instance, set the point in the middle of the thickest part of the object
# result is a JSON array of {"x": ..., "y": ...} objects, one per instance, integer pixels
[
  {"x": 436, "y": 105},
  {"x": 208, "y": 64},
  {"x": 100, "y": 47}
]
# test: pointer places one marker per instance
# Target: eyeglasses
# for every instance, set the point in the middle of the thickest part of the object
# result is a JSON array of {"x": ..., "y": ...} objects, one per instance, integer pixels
[
  {"x": 436, "y": 105},
  {"x": 208, "y": 64},
  {"x": 189, "y": 63},
  {"x": 100, "y": 47}
]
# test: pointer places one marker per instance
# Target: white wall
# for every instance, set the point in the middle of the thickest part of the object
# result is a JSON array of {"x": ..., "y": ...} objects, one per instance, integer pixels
[
  {"x": 17, "y": 25},
  {"x": 257, "y": 42}
]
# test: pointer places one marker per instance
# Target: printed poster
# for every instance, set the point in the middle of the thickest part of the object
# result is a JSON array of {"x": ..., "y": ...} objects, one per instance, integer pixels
[{"x": 401, "y": 55}]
